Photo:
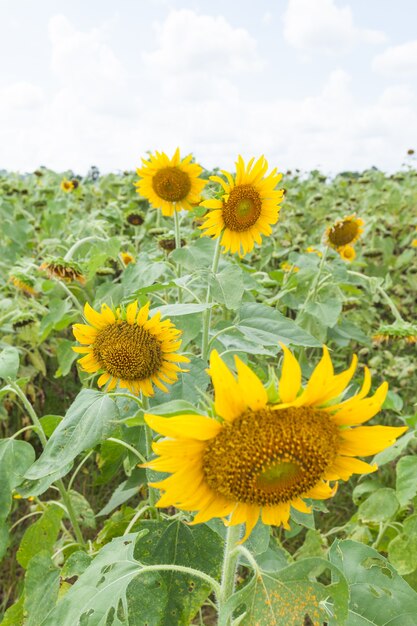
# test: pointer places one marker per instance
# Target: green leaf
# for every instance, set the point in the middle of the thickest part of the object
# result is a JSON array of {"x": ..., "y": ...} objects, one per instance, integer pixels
[
  {"x": 381, "y": 506},
  {"x": 394, "y": 451},
  {"x": 141, "y": 274},
  {"x": 41, "y": 535},
  {"x": 88, "y": 421},
  {"x": 190, "y": 384},
  {"x": 406, "y": 485},
  {"x": 284, "y": 598},
  {"x": 326, "y": 312},
  {"x": 120, "y": 495},
  {"x": 378, "y": 595},
  {"x": 15, "y": 458},
  {"x": 66, "y": 357},
  {"x": 49, "y": 423},
  {"x": 9, "y": 362},
  {"x": 175, "y": 407},
  {"x": 76, "y": 564},
  {"x": 14, "y": 615},
  {"x": 177, "y": 310},
  {"x": 265, "y": 325},
  {"x": 402, "y": 553},
  {"x": 82, "y": 509},
  {"x": 39, "y": 486},
  {"x": 228, "y": 287},
  {"x": 41, "y": 588}
]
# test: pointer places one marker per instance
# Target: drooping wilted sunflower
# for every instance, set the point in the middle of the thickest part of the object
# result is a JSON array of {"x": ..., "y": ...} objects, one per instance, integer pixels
[
  {"x": 135, "y": 219},
  {"x": 347, "y": 253},
  {"x": 67, "y": 271},
  {"x": 248, "y": 207},
  {"x": 170, "y": 184},
  {"x": 396, "y": 332},
  {"x": 263, "y": 459},
  {"x": 344, "y": 232},
  {"x": 23, "y": 283},
  {"x": 67, "y": 185},
  {"x": 129, "y": 349}
]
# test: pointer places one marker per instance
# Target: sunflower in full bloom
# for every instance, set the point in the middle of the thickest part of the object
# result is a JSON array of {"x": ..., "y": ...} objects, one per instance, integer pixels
[
  {"x": 67, "y": 185},
  {"x": 61, "y": 269},
  {"x": 347, "y": 253},
  {"x": 129, "y": 349},
  {"x": 248, "y": 207},
  {"x": 344, "y": 232},
  {"x": 261, "y": 459},
  {"x": 170, "y": 184},
  {"x": 127, "y": 258}
]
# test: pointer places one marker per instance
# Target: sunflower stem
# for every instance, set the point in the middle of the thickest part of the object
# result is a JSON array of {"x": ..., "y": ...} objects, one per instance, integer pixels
[
  {"x": 59, "y": 483},
  {"x": 227, "y": 584},
  {"x": 79, "y": 243},
  {"x": 71, "y": 295},
  {"x": 178, "y": 247},
  {"x": 152, "y": 495},
  {"x": 312, "y": 293},
  {"x": 207, "y": 312}
]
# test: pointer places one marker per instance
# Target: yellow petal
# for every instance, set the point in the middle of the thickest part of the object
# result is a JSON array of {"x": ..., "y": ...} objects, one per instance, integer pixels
[
  {"x": 290, "y": 380},
  {"x": 247, "y": 513},
  {"x": 190, "y": 426},
  {"x": 340, "y": 381},
  {"x": 228, "y": 399},
  {"x": 251, "y": 387},
  {"x": 360, "y": 411},
  {"x": 276, "y": 515},
  {"x": 107, "y": 314},
  {"x": 366, "y": 440},
  {"x": 320, "y": 380},
  {"x": 131, "y": 311},
  {"x": 343, "y": 467},
  {"x": 95, "y": 319}
]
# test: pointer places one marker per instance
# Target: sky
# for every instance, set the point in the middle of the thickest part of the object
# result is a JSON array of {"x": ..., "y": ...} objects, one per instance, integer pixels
[{"x": 327, "y": 84}]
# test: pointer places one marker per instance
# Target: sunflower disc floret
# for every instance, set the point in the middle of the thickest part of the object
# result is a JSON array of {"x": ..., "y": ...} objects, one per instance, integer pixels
[
  {"x": 344, "y": 232},
  {"x": 129, "y": 349},
  {"x": 262, "y": 459}
]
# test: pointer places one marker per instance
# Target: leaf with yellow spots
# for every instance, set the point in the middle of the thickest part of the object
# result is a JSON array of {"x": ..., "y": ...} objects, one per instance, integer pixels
[{"x": 284, "y": 598}]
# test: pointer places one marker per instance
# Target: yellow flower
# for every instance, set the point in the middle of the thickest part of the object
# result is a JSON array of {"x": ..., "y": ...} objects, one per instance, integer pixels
[
  {"x": 263, "y": 459},
  {"x": 127, "y": 258},
  {"x": 347, "y": 253},
  {"x": 67, "y": 185},
  {"x": 248, "y": 207},
  {"x": 67, "y": 271},
  {"x": 344, "y": 232},
  {"x": 170, "y": 184},
  {"x": 288, "y": 267},
  {"x": 312, "y": 250},
  {"x": 414, "y": 243},
  {"x": 24, "y": 283},
  {"x": 130, "y": 349}
]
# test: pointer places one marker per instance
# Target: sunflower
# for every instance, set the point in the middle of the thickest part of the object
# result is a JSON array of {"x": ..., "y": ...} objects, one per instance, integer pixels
[
  {"x": 344, "y": 232},
  {"x": 24, "y": 283},
  {"x": 67, "y": 185},
  {"x": 135, "y": 219},
  {"x": 396, "y": 332},
  {"x": 263, "y": 459},
  {"x": 347, "y": 253},
  {"x": 129, "y": 349},
  {"x": 170, "y": 184},
  {"x": 127, "y": 258},
  {"x": 248, "y": 207},
  {"x": 289, "y": 267},
  {"x": 67, "y": 271},
  {"x": 313, "y": 250}
]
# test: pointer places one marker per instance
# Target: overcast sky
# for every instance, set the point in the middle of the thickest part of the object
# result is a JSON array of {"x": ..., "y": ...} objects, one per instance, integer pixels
[{"x": 309, "y": 83}]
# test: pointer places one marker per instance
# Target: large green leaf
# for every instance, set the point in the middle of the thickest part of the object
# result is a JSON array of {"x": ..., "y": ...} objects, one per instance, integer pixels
[
  {"x": 89, "y": 420},
  {"x": 15, "y": 458},
  {"x": 41, "y": 535},
  {"x": 378, "y": 595},
  {"x": 41, "y": 588},
  {"x": 228, "y": 287},
  {"x": 267, "y": 326},
  {"x": 9, "y": 362},
  {"x": 380, "y": 506},
  {"x": 406, "y": 486},
  {"x": 284, "y": 598}
]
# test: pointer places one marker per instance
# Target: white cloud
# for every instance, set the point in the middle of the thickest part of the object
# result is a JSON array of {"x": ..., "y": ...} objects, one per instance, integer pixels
[
  {"x": 21, "y": 96},
  {"x": 322, "y": 26},
  {"x": 397, "y": 61}
]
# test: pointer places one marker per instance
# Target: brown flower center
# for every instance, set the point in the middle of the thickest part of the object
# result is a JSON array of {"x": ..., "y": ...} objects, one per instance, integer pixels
[
  {"x": 268, "y": 457},
  {"x": 343, "y": 233},
  {"x": 242, "y": 209},
  {"x": 127, "y": 351},
  {"x": 171, "y": 184}
]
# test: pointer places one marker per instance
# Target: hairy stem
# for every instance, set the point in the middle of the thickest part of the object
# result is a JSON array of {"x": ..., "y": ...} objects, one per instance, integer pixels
[{"x": 207, "y": 312}]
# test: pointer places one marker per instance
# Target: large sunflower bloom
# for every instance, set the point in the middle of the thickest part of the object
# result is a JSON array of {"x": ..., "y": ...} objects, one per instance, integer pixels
[
  {"x": 129, "y": 349},
  {"x": 263, "y": 459},
  {"x": 170, "y": 184},
  {"x": 248, "y": 207},
  {"x": 344, "y": 232}
]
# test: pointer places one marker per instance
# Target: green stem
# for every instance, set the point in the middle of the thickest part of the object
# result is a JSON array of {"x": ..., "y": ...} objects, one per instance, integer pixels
[
  {"x": 311, "y": 295},
  {"x": 79, "y": 243},
  {"x": 178, "y": 247},
  {"x": 230, "y": 560},
  {"x": 207, "y": 312},
  {"x": 38, "y": 427},
  {"x": 383, "y": 293},
  {"x": 152, "y": 495},
  {"x": 70, "y": 294},
  {"x": 128, "y": 447}
]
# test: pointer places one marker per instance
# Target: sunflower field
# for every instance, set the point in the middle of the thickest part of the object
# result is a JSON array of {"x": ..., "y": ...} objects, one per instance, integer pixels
[{"x": 207, "y": 397}]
